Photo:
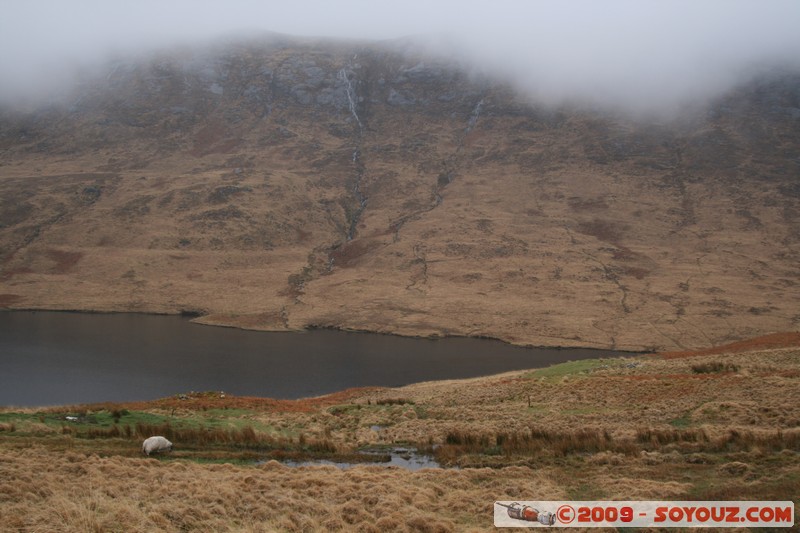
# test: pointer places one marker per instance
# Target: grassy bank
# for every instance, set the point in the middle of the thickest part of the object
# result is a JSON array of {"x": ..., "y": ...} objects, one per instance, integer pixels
[{"x": 718, "y": 426}]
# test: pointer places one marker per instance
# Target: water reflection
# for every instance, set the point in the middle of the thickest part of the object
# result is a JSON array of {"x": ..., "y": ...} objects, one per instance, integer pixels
[{"x": 408, "y": 458}]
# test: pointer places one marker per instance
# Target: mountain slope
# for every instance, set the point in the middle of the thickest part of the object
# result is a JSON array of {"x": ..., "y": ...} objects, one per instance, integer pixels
[{"x": 281, "y": 184}]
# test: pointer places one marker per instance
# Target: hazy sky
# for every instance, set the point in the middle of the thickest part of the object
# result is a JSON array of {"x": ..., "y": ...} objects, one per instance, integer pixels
[{"x": 638, "y": 52}]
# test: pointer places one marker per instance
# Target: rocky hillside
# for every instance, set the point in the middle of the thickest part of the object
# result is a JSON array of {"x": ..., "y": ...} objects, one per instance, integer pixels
[{"x": 281, "y": 184}]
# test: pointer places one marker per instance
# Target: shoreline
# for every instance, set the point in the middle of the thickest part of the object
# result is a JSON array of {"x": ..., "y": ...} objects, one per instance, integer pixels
[
  {"x": 196, "y": 318},
  {"x": 120, "y": 357}
]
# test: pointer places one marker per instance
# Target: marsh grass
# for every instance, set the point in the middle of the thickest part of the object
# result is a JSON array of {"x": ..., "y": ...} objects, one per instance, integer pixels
[
  {"x": 741, "y": 440},
  {"x": 732, "y": 440},
  {"x": 654, "y": 438},
  {"x": 549, "y": 444},
  {"x": 73, "y": 493},
  {"x": 245, "y": 437},
  {"x": 534, "y": 442}
]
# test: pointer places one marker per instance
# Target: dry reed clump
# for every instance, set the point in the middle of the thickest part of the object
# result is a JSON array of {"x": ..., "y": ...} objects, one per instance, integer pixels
[
  {"x": 131, "y": 494},
  {"x": 731, "y": 440},
  {"x": 240, "y": 437},
  {"x": 660, "y": 437},
  {"x": 654, "y": 445},
  {"x": 735, "y": 440},
  {"x": 533, "y": 442}
]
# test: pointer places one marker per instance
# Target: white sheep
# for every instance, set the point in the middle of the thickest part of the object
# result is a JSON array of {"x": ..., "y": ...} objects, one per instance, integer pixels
[{"x": 156, "y": 444}]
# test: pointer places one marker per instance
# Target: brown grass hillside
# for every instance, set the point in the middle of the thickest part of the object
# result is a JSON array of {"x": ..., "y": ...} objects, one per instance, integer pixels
[
  {"x": 240, "y": 184},
  {"x": 722, "y": 426}
]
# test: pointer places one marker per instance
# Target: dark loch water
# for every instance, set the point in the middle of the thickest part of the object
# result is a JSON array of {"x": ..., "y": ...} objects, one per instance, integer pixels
[{"x": 51, "y": 358}]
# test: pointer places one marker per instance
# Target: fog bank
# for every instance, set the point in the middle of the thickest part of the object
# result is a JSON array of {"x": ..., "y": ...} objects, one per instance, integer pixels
[{"x": 639, "y": 55}]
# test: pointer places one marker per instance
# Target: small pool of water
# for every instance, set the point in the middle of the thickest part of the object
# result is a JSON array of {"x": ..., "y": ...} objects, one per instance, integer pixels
[{"x": 403, "y": 457}]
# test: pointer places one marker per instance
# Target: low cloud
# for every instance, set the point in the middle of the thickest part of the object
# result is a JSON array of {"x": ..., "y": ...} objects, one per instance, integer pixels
[{"x": 640, "y": 55}]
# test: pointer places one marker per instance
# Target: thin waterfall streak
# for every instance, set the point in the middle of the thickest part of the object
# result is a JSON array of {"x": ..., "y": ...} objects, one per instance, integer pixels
[
  {"x": 351, "y": 98},
  {"x": 473, "y": 119}
]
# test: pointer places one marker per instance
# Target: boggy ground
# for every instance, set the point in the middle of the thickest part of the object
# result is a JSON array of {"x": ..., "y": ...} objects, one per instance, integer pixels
[{"x": 723, "y": 425}]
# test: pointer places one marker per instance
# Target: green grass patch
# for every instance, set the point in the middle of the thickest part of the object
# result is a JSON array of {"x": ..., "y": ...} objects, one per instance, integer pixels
[
  {"x": 570, "y": 368},
  {"x": 125, "y": 424},
  {"x": 683, "y": 421},
  {"x": 9, "y": 419}
]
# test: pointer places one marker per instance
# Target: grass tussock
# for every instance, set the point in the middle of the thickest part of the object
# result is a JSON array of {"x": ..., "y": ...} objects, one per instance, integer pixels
[
  {"x": 535, "y": 442},
  {"x": 739, "y": 440},
  {"x": 543, "y": 443},
  {"x": 69, "y": 493},
  {"x": 660, "y": 437},
  {"x": 697, "y": 440},
  {"x": 394, "y": 401}
]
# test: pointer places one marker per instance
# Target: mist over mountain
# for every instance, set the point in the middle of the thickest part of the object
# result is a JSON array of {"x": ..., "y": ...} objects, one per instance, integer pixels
[{"x": 644, "y": 57}]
